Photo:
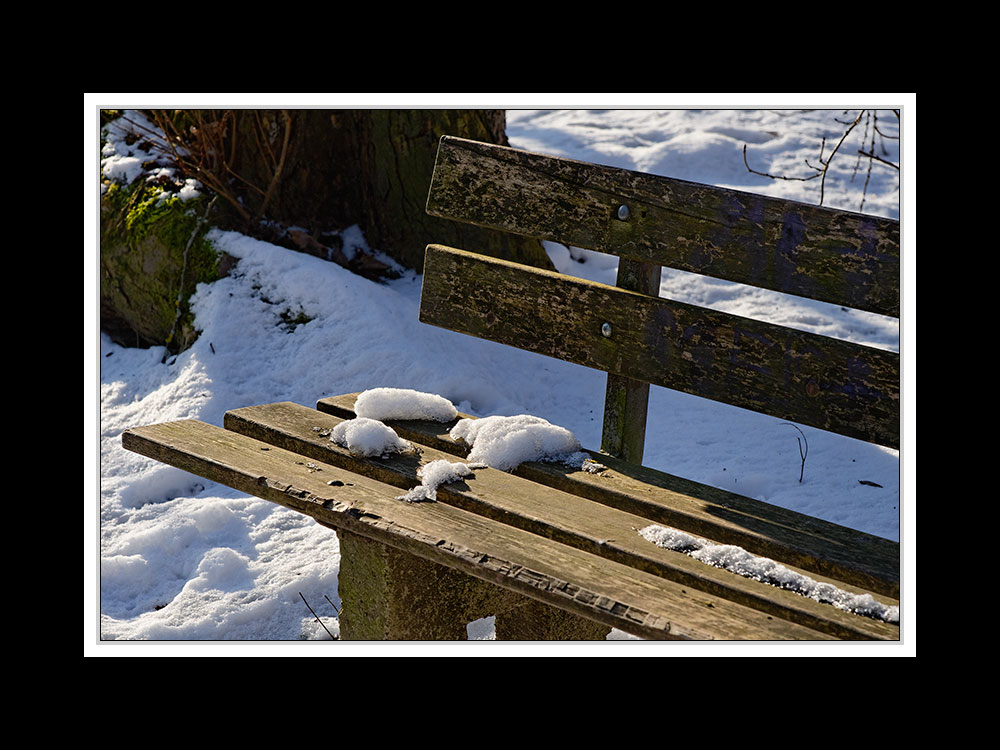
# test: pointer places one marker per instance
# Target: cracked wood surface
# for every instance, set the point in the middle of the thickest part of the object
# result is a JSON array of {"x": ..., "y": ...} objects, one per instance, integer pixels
[
  {"x": 826, "y": 254},
  {"x": 569, "y": 518},
  {"x": 803, "y": 377},
  {"x": 626, "y": 401},
  {"x": 812, "y": 544},
  {"x": 564, "y": 576}
]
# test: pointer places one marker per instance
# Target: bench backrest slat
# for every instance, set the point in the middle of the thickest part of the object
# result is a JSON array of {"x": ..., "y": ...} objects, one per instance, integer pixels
[
  {"x": 825, "y": 254},
  {"x": 796, "y": 375}
]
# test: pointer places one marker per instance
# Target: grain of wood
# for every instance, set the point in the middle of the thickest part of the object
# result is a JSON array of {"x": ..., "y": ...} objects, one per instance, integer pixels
[
  {"x": 626, "y": 400},
  {"x": 835, "y": 256},
  {"x": 603, "y": 590},
  {"x": 815, "y": 545},
  {"x": 577, "y": 521},
  {"x": 794, "y": 375}
]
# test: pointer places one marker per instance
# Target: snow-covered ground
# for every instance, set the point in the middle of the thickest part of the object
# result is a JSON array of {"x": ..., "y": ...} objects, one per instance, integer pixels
[{"x": 171, "y": 557}]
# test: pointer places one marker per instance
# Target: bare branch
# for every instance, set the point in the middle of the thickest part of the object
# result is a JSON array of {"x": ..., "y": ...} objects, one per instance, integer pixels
[
  {"x": 886, "y": 135},
  {"x": 802, "y": 454},
  {"x": 875, "y": 157},
  {"x": 774, "y": 176},
  {"x": 822, "y": 182},
  {"x": 180, "y": 286},
  {"x": 332, "y": 636},
  {"x": 279, "y": 166},
  {"x": 871, "y": 119}
]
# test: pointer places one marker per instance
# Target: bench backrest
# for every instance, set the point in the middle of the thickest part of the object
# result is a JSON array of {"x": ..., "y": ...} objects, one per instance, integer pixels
[{"x": 639, "y": 338}]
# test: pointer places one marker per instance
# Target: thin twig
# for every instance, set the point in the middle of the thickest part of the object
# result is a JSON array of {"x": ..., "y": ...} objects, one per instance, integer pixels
[
  {"x": 332, "y": 605},
  {"x": 194, "y": 164},
  {"x": 280, "y": 165},
  {"x": 332, "y": 636},
  {"x": 875, "y": 157},
  {"x": 871, "y": 117},
  {"x": 886, "y": 135},
  {"x": 775, "y": 176},
  {"x": 802, "y": 454},
  {"x": 868, "y": 174},
  {"x": 857, "y": 163},
  {"x": 235, "y": 134},
  {"x": 822, "y": 182},
  {"x": 180, "y": 290},
  {"x": 261, "y": 139}
]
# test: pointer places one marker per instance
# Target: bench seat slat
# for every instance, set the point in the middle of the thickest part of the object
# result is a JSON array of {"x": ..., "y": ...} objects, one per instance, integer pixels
[
  {"x": 815, "y": 545},
  {"x": 826, "y": 254},
  {"x": 790, "y": 374},
  {"x": 617, "y": 595},
  {"x": 551, "y": 513}
]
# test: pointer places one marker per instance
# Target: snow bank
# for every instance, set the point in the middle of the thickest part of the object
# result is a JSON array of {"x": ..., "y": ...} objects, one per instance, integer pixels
[
  {"x": 403, "y": 403},
  {"x": 434, "y": 474},
  {"x": 506, "y": 442},
  {"x": 369, "y": 437},
  {"x": 738, "y": 560},
  {"x": 134, "y": 147}
]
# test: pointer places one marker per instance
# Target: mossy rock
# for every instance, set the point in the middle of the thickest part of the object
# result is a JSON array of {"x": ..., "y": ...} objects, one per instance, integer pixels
[{"x": 144, "y": 234}]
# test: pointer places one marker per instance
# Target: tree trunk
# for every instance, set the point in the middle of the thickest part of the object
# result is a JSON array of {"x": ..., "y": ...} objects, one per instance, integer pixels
[
  {"x": 298, "y": 177},
  {"x": 398, "y": 148},
  {"x": 371, "y": 168}
]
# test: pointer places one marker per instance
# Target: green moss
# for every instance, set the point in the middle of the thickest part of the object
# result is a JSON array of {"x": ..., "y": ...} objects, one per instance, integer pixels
[
  {"x": 143, "y": 210},
  {"x": 291, "y": 320},
  {"x": 146, "y": 231}
]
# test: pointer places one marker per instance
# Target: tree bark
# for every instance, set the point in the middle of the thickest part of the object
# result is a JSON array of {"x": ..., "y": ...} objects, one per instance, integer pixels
[
  {"x": 371, "y": 168},
  {"x": 398, "y": 148},
  {"x": 316, "y": 172}
]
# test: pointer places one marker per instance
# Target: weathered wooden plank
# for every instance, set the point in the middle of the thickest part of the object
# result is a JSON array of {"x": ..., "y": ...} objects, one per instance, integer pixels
[
  {"x": 557, "y": 574},
  {"x": 803, "y": 377},
  {"x": 512, "y": 500},
  {"x": 626, "y": 401},
  {"x": 836, "y": 256},
  {"x": 815, "y": 545}
]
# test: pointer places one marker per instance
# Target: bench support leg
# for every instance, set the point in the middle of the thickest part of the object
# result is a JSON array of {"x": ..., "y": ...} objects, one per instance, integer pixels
[
  {"x": 387, "y": 594},
  {"x": 535, "y": 621},
  {"x": 626, "y": 401}
]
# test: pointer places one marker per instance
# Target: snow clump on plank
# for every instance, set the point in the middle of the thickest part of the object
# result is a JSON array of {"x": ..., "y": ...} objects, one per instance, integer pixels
[
  {"x": 369, "y": 437},
  {"x": 506, "y": 442},
  {"x": 738, "y": 560},
  {"x": 402, "y": 403},
  {"x": 433, "y": 475}
]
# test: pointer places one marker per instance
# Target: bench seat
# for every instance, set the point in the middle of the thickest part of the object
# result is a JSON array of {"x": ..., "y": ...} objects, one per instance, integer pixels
[
  {"x": 545, "y": 537},
  {"x": 561, "y": 553}
]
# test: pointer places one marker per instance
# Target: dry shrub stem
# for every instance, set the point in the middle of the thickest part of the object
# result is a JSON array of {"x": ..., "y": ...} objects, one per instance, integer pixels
[
  {"x": 178, "y": 304},
  {"x": 200, "y": 150},
  {"x": 871, "y": 119},
  {"x": 802, "y": 453},
  {"x": 332, "y": 636}
]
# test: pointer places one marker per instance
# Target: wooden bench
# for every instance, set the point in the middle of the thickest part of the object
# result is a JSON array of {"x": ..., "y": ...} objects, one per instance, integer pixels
[{"x": 554, "y": 552}]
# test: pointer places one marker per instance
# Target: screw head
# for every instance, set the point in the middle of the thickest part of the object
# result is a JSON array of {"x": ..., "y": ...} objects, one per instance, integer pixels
[
  {"x": 623, "y": 212},
  {"x": 606, "y": 330}
]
